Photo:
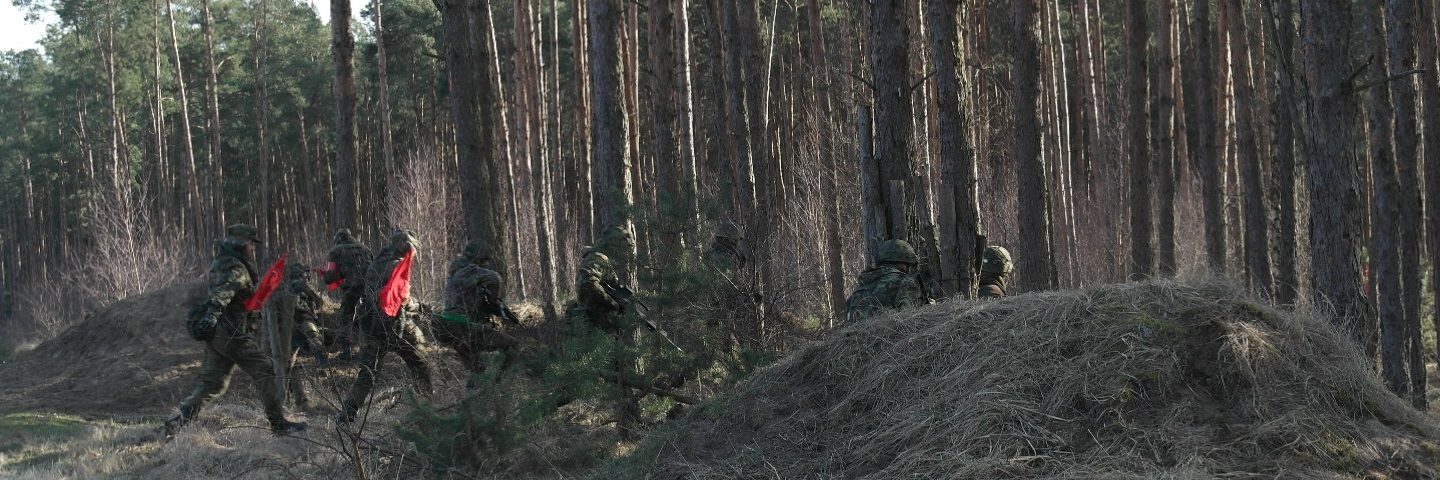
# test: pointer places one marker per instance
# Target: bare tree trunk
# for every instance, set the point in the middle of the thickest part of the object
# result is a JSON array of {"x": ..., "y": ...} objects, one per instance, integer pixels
[
  {"x": 1401, "y": 45},
  {"x": 212, "y": 95},
  {"x": 666, "y": 124},
  {"x": 872, "y": 200},
  {"x": 737, "y": 140},
  {"x": 1335, "y": 231},
  {"x": 607, "y": 133},
  {"x": 192, "y": 183},
  {"x": 1142, "y": 223},
  {"x": 262, "y": 120},
  {"x": 889, "y": 54},
  {"x": 472, "y": 108},
  {"x": 1385, "y": 249},
  {"x": 1205, "y": 155},
  {"x": 822, "y": 91},
  {"x": 1089, "y": 95},
  {"x": 1287, "y": 282},
  {"x": 1036, "y": 268},
  {"x": 343, "y": 52},
  {"x": 1430, "y": 97},
  {"x": 1257, "y": 228},
  {"x": 382, "y": 90},
  {"x": 1166, "y": 156},
  {"x": 959, "y": 190}
]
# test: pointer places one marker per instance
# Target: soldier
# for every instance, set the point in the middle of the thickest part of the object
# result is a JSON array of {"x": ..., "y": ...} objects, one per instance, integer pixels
[
  {"x": 348, "y": 259},
  {"x": 226, "y": 328},
  {"x": 995, "y": 265},
  {"x": 595, "y": 309},
  {"x": 306, "y": 338},
  {"x": 888, "y": 285},
  {"x": 383, "y": 333},
  {"x": 725, "y": 249},
  {"x": 474, "y": 297}
]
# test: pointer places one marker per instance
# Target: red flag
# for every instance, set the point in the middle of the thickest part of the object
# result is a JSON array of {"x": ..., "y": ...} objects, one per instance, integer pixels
[
  {"x": 267, "y": 285},
  {"x": 330, "y": 267},
  {"x": 397, "y": 288}
]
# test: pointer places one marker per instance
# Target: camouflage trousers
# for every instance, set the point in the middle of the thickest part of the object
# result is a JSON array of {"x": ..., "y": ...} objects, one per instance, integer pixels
[
  {"x": 230, "y": 349},
  {"x": 347, "y": 328},
  {"x": 404, "y": 339}
]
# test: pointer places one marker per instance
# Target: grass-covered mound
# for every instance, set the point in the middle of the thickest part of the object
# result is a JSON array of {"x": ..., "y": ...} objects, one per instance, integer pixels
[{"x": 1160, "y": 379}]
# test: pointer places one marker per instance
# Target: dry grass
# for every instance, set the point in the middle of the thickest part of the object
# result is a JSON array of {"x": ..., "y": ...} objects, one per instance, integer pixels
[{"x": 1159, "y": 379}]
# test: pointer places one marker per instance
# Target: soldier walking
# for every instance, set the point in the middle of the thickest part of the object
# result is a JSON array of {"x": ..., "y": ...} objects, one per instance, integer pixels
[
  {"x": 226, "y": 328},
  {"x": 347, "y": 262},
  {"x": 383, "y": 332}
]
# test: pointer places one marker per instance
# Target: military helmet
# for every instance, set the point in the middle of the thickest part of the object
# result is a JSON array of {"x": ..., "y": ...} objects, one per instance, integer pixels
[
  {"x": 401, "y": 237},
  {"x": 996, "y": 259},
  {"x": 475, "y": 251},
  {"x": 344, "y": 236},
  {"x": 247, "y": 232},
  {"x": 897, "y": 251}
]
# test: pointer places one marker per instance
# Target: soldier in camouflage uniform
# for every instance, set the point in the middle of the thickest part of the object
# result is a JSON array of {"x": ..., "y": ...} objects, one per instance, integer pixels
[
  {"x": 595, "y": 310},
  {"x": 232, "y": 280},
  {"x": 995, "y": 265},
  {"x": 348, "y": 259},
  {"x": 306, "y": 338},
  {"x": 475, "y": 293},
  {"x": 383, "y": 333},
  {"x": 726, "y": 250},
  {"x": 888, "y": 285}
]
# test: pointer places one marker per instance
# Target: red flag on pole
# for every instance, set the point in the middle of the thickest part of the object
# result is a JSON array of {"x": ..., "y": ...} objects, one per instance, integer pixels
[
  {"x": 267, "y": 285},
  {"x": 397, "y": 288}
]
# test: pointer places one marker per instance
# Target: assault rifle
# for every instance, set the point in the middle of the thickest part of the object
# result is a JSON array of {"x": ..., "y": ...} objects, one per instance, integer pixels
[{"x": 624, "y": 296}]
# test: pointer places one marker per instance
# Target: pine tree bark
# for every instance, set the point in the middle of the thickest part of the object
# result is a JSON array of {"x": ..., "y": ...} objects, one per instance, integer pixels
[
  {"x": 822, "y": 89},
  {"x": 889, "y": 58},
  {"x": 342, "y": 47},
  {"x": 1035, "y": 263},
  {"x": 665, "y": 124},
  {"x": 1287, "y": 282},
  {"x": 192, "y": 183},
  {"x": 1166, "y": 156},
  {"x": 960, "y": 205},
  {"x": 607, "y": 127},
  {"x": 1257, "y": 228},
  {"x": 1385, "y": 246},
  {"x": 1205, "y": 154},
  {"x": 1430, "y": 98},
  {"x": 382, "y": 93},
  {"x": 1401, "y": 16},
  {"x": 1142, "y": 221},
  {"x": 1335, "y": 230},
  {"x": 213, "y": 125},
  {"x": 467, "y": 51}
]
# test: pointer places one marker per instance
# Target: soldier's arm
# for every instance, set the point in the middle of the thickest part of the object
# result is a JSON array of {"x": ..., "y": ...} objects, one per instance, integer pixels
[
  {"x": 910, "y": 293},
  {"x": 592, "y": 294},
  {"x": 226, "y": 281}
]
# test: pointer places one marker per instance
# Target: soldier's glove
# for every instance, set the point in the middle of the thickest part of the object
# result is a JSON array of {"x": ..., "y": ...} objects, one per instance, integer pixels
[{"x": 202, "y": 327}]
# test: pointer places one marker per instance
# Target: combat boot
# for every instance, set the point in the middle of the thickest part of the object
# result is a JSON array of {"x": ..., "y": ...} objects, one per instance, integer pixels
[
  {"x": 281, "y": 426},
  {"x": 179, "y": 419}
]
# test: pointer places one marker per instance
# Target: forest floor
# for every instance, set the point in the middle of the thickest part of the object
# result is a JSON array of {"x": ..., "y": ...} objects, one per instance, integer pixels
[{"x": 1142, "y": 380}]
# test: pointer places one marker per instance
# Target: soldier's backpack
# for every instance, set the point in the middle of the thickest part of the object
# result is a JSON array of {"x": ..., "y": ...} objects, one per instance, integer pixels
[{"x": 351, "y": 259}]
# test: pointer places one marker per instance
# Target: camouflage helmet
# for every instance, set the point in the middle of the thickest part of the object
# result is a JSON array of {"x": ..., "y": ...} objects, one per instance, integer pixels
[
  {"x": 475, "y": 251},
  {"x": 996, "y": 259},
  {"x": 896, "y": 251},
  {"x": 244, "y": 231},
  {"x": 401, "y": 238},
  {"x": 344, "y": 236}
]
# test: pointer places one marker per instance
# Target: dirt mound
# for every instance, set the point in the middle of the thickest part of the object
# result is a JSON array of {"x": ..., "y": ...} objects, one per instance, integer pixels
[
  {"x": 1143, "y": 380},
  {"x": 131, "y": 358}
]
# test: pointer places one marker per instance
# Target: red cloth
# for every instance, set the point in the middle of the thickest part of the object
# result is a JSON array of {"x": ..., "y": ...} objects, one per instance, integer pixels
[
  {"x": 267, "y": 285},
  {"x": 397, "y": 288},
  {"x": 330, "y": 267}
]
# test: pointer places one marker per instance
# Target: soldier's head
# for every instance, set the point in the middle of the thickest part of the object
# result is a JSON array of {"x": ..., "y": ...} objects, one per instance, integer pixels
[
  {"x": 244, "y": 236},
  {"x": 402, "y": 240},
  {"x": 477, "y": 252},
  {"x": 296, "y": 270},
  {"x": 897, "y": 253},
  {"x": 996, "y": 260},
  {"x": 343, "y": 236}
]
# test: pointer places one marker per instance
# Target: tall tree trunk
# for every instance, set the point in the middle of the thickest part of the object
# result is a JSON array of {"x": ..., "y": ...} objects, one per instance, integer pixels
[
  {"x": 342, "y": 47},
  {"x": 1335, "y": 230},
  {"x": 192, "y": 183},
  {"x": 1257, "y": 228},
  {"x": 213, "y": 126},
  {"x": 467, "y": 54},
  {"x": 1142, "y": 222},
  {"x": 1385, "y": 247},
  {"x": 1205, "y": 154},
  {"x": 889, "y": 54},
  {"x": 1401, "y": 46},
  {"x": 382, "y": 91},
  {"x": 737, "y": 139},
  {"x": 262, "y": 120},
  {"x": 1089, "y": 95},
  {"x": 665, "y": 143},
  {"x": 1166, "y": 157},
  {"x": 607, "y": 127},
  {"x": 822, "y": 90},
  {"x": 1430, "y": 96},
  {"x": 1287, "y": 281},
  {"x": 1036, "y": 268},
  {"x": 960, "y": 211}
]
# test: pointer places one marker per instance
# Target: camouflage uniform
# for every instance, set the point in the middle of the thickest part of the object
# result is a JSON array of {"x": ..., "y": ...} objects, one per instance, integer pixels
[
  {"x": 350, "y": 259},
  {"x": 726, "y": 251},
  {"x": 888, "y": 285},
  {"x": 382, "y": 333},
  {"x": 995, "y": 265},
  {"x": 594, "y": 310},
  {"x": 474, "y": 292},
  {"x": 307, "y": 337},
  {"x": 232, "y": 280}
]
